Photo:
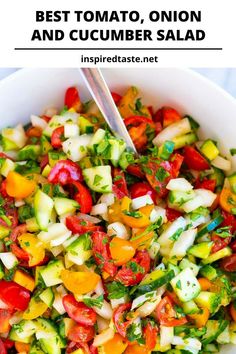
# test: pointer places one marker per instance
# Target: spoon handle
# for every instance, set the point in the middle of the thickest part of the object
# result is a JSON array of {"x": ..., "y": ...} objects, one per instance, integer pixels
[{"x": 102, "y": 96}]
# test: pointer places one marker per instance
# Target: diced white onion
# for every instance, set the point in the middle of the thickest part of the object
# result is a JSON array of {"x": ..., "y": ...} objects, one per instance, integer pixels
[
  {"x": 166, "y": 335},
  {"x": 89, "y": 218},
  {"x": 8, "y": 259},
  {"x": 61, "y": 290},
  {"x": 142, "y": 201},
  {"x": 179, "y": 184},
  {"x": 56, "y": 235},
  {"x": 116, "y": 302},
  {"x": 202, "y": 219},
  {"x": 76, "y": 147},
  {"x": 58, "y": 304},
  {"x": 164, "y": 238},
  {"x": 36, "y": 121},
  {"x": 192, "y": 204},
  {"x": 19, "y": 203},
  {"x": 117, "y": 229},
  {"x": 140, "y": 300},
  {"x": 148, "y": 307},
  {"x": 107, "y": 198},
  {"x": 106, "y": 310},
  {"x": 207, "y": 196},
  {"x": 99, "y": 209},
  {"x": 221, "y": 163},
  {"x": 156, "y": 213},
  {"x": 99, "y": 290},
  {"x": 69, "y": 241},
  {"x": 103, "y": 337},
  {"x": 185, "y": 240},
  {"x": 172, "y": 131},
  {"x": 102, "y": 324},
  {"x": 70, "y": 130}
]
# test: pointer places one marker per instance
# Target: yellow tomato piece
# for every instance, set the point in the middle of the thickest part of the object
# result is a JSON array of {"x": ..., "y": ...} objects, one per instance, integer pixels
[
  {"x": 142, "y": 239},
  {"x": 35, "y": 309},
  {"x": 227, "y": 200},
  {"x": 116, "y": 345},
  {"x": 204, "y": 283},
  {"x": 140, "y": 221},
  {"x": 200, "y": 319},
  {"x": 33, "y": 246},
  {"x": 137, "y": 349},
  {"x": 114, "y": 212},
  {"x": 121, "y": 251},
  {"x": 24, "y": 280},
  {"x": 18, "y": 186},
  {"x": 22, "y": 347},
  {"x": 79, "y": 282}
]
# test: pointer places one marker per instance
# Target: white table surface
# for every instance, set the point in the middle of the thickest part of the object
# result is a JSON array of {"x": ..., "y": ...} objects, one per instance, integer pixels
[{"x": 224, "y": 77}]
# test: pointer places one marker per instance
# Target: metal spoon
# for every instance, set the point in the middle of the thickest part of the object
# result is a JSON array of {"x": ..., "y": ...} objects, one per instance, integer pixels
[{"x": 102, "y": 96}]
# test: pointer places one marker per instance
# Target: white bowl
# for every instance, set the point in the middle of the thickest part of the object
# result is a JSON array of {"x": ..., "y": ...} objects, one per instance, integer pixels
[{"x": 31, "y": 90}]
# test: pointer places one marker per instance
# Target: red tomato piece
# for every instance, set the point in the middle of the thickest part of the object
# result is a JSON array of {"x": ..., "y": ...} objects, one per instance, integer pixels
[
  {"x": 14, "y": 295},
  {"x": 233, "y": 246},
  {"x": 57, "y": 137},
  {"x": 72, "y": 99},
  {"x": 8, "y": 343},
  {"x": 119, "y": 181},
  {"x": 83, "y": 197},
  {"x": 167, "y": 116},
  {"x": 81, "y": 334},
  {"x": 10, "y": 212},
  {"x": 119, "y": 319},
  {"x": 101, "y": 252},
  {"x": 209, "y": 184},
  {"x": 78, "y": 311},
  {"x": 150, "y": 336},
  {"x": 137, "y": 127},
  {"x": 5, "y": 316},
  {"x": 116, "y": 97},
  {"x": 142, "y": 188},
  {"x": 172, "y": 214},
  {"x": 65, "y": 172},
  {"x": 44, "y": 161},
  {"x": 194, "y": 159},
  {"x": 229, "y": 263},
  {"x": 2, "y": 347},
  {"x": 19, "y": 252},
  {"x": 166, "y": 314},
  {"x": 136, "y": 171},
  {"x": 219, "y": 242},
  {"x": 134, "y": 271},
  {"x": 229, "y": 220},
  {"x": 79, "y": 226}
]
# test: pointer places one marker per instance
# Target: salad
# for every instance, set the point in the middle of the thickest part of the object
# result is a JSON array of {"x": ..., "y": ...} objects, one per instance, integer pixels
[{"x": 105, "y": 252}]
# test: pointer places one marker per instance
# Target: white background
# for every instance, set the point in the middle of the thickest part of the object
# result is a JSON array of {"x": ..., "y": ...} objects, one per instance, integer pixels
[{"x": 17, "y": 21}]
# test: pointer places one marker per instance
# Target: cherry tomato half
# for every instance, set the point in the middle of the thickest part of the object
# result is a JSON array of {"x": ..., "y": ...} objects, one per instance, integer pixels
[
  {"x": 119, "y": 181},
  {"x": 229, "y": 263},
  {"x": 141, "y": 188},
  {"x": 14, "y": 295},
  {"x": 166, "y": 314},
  {"x": 119, "y": 319},
  {"x": 79, "y": 226},
  {"x": 65, "y": 172},
  {"x": 57, "y": 137},
  {"x": 78, "y": 311},
  {"x": 194, "y": 160},
  {"x": 81, "y": 334}
]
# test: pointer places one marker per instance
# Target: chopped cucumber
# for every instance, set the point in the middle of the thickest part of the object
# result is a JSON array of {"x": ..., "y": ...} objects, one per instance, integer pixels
[
  {"x": 209, "y": 149},
  {"x": 186, "y": 285},
  {"x": 96, "y": 139},
  {"x": 7, "y": 166},
  {"x": 43, "y": 206},
  {"x": 4, "y": 231},
  {"x": 190, "y": 307},
  {"x": 154, "y": 280},
  {"x": 29, "y": 152},
  {"x": 186, "y": 263},
  {"x": 217, "y": 255},
  {"x": 183, "y": 140},
  {"x": 98, "y": 178},
  {"x": 208, "y": 299},
  {"x": 77, "y": 147},
  {"x": 177, "y": 198},
  {"x": 64, "y": 326},
  {"x": 209, "y": 272},
  {"x": 211, "y": 225},
  {"x": 55, "y": 156},
  {"x": 51, "y": 273},
  {"x": 232, "y": 181},
  {"x": 23, "y": 331},
  {"x": 224, "y": 337},
  {"x": 219, "y": 176},
  {"x": 47, "y": 296},
  {"x": 85, "y": 126},
  {"x": 126, "y": 158},
  {"x": 116, "y": 150},
  {"x": 58, "y": 121},
  {"x": 65, "y": 205},
  {"x": 201, "y": 250},
  {"x": 45, "y": 145},
  {"x": 79, "y": 250},
  {"x": 214, "y": 329},
  {"x": 16, "y": 136},
  {"x": 35, "y": 348}
]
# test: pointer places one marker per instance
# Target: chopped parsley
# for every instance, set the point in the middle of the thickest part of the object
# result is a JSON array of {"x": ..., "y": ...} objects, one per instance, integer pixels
[
  {"x": 94, "y": 302},
  {"x": 116, "y": 290},
  {"x": 134, "y": 214},
  {"x": 232, "y": 151},
  {"x": 161, "y": 174}
]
